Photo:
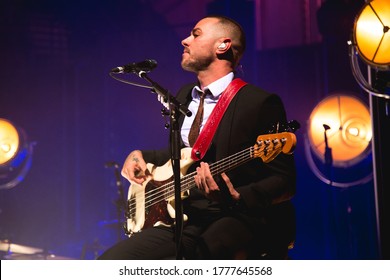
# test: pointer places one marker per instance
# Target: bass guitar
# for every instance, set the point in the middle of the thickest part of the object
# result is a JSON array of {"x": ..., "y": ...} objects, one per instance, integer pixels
[{"x": 152, "y": 203}]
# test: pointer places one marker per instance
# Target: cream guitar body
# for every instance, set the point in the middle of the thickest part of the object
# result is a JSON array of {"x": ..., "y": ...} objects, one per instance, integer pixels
[{"x": 152, "y": 203}]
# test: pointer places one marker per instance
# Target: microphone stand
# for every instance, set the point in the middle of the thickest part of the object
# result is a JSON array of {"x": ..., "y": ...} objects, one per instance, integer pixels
[
  {"x": 328, "y": 155},
  {"x": 175, "y": 109}
]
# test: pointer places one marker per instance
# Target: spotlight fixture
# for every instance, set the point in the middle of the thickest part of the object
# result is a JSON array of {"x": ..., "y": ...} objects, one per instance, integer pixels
[
  {"x": 339, "y": 135},
  {"x": 340, "y": 122},
  {"x": 371, "y": 42},
  {"x": 9, "y": 141},
  {"x": 371, "y": 33},
  {"x": 15, "y": 154}
]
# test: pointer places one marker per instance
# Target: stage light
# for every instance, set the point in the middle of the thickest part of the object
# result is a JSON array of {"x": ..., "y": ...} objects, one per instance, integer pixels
[
  {"x": 9, "y": 141},
  {"x": 371, "y": 43},
  {"x": 348, "y": 131},
  {"x": 339, "y": 134},
  {"x": 15, "y": 154},
  {"x": 371, "y": 33}
]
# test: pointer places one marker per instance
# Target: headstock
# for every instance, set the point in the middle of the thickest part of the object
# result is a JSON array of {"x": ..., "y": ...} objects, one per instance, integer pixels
[{"x": 268, "y": 146}]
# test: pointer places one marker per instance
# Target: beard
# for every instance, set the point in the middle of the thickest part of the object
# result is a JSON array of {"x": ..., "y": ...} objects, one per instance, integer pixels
[{"x": 195, "y": 65}]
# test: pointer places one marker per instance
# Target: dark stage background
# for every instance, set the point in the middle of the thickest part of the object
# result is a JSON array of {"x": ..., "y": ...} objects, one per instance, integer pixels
[{"x": 54, "y": 83}]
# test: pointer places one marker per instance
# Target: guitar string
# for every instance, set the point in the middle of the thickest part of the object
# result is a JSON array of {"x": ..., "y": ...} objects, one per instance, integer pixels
[
  {"x": 188, "y": 179},
  {"x": 166, "y": 191},
  {"x": 263, "y": 146},
  {"x": 188, "y": 182}
]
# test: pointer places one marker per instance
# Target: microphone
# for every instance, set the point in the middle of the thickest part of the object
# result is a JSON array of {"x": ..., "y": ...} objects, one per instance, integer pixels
[
  {"x": 145, "y": 66},
  {"x": 326, "y": 127}
]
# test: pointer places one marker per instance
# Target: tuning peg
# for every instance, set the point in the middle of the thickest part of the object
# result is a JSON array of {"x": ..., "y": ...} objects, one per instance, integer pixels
[{"x": 294, "y": 125}]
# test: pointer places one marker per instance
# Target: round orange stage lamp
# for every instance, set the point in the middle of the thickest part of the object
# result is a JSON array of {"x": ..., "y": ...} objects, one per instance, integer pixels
[
  {"x": 9, "y": 141},
  {"x": 372, "y": 33},
  {"x": 343, "y": 123}
]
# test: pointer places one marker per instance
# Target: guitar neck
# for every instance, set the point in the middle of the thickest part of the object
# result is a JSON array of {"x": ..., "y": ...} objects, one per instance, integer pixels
[
  {"x": 219, "y": 167},
  {"x": 267, "y": 147}
]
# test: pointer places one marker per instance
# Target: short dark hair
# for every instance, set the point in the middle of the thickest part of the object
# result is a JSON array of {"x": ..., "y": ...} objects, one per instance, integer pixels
[{"x": 237, "y": 32}]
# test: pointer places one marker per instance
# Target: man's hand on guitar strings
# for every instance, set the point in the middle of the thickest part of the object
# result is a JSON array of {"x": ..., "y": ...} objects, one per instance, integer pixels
[
  {"x": 134, "y": 167},
  {"x": 206, "y": 183},
  {"x": 235, "y": 194}
]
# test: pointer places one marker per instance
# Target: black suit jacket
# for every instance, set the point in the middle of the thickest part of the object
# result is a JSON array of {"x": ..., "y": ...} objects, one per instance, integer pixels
[{"x": 251, "y": 112}]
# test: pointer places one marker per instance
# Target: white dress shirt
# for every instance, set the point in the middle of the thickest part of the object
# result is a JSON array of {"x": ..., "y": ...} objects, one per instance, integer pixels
[{"x": 215, "y": 88}]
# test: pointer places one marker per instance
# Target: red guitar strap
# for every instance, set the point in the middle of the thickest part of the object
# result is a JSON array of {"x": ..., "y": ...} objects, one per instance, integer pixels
[{"x": 204, "y": 140}]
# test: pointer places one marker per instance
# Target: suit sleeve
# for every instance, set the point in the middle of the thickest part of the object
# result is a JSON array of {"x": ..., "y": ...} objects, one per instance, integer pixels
[{"x": 262, "y": 184}]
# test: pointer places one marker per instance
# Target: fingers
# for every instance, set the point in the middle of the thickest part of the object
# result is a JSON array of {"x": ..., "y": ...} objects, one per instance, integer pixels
[
  {"x": 134, "y": 168},
  {"x": 204, "y": 180},
  {"x": 206, "y": 183},
  {"x": 232, "y": 190}
]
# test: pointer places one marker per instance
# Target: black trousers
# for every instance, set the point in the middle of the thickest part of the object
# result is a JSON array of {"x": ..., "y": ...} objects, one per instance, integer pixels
[
  {"x": 221, "y": 239},
  {"x": 231, "y": 236}
]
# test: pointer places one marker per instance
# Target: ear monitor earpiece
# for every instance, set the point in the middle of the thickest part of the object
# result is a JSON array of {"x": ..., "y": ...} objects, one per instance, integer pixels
[{"x": 222, "y": 46}]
